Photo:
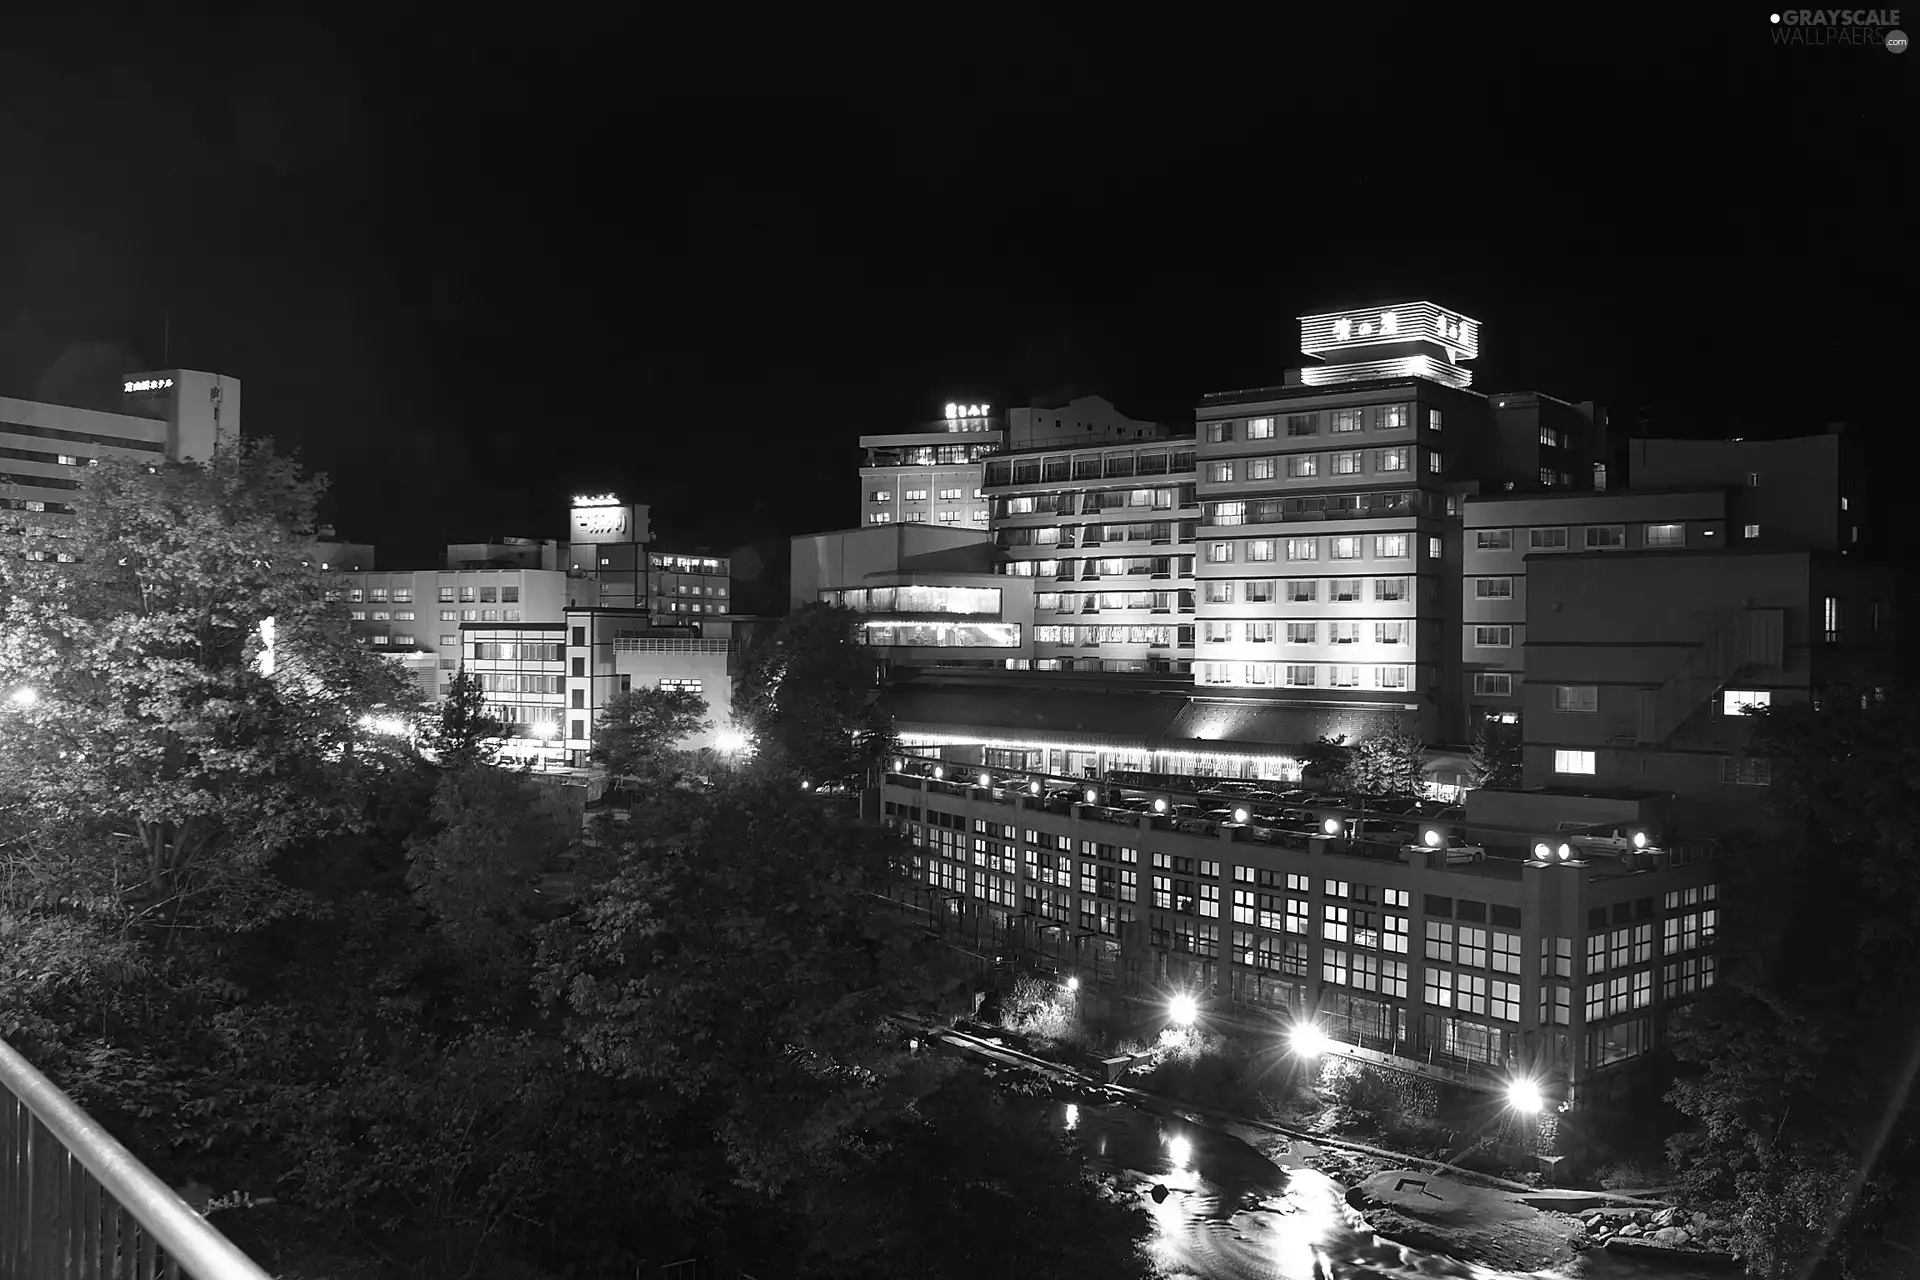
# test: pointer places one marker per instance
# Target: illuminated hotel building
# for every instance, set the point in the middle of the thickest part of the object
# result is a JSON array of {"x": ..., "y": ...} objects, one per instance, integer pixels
[
  {"x": 930, "y": 473},
  {"x": 1099, "y": 510},
  {"x": 610, "y": 552},
  {"x": 176, "y": 415}
]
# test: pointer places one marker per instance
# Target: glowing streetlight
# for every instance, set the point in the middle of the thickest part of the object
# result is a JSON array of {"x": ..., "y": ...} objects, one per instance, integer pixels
[
  {"x": 1524, "y": 1096},
  {"x": 732, "y": 742},
  {"x": 1432, "y": 838},
  {"x": 939, "y": 772},
  {"x": 1183, "y": 1009},
  {"x": 1160, "y": 805},
  {"x": 1072, "y": 985},
  {"x": 25, "y": 696},
  {"x": 986, "y": 780},
  {"x": 1242, "y": 816},
  {"x": 1093, "y": 796},
  {"x": 1033, "y": 788},
  {"x": 1331, "y": 826},
  {"x": 1307, "y": 1040}
]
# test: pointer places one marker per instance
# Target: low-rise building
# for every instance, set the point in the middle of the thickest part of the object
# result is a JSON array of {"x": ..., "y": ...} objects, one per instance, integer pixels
[{"x": 930, "y": 473}]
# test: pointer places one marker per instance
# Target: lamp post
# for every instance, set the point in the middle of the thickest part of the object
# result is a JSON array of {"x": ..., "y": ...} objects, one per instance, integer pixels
[{"x": 544, "y": 731}]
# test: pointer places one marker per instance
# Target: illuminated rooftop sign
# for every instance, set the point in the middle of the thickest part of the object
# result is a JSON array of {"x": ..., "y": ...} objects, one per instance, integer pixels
[
  {"x": 596, "y": 500},
  {"x": 958, "y": 411},
  {"x": 148, "y": 384},
  {"x": 1328, "y": 332}
]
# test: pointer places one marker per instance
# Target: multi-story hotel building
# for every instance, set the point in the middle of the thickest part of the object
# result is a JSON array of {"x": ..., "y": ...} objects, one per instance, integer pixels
[
  {"x": 179, "y": 415},
  {"x": 1105, "y": 530},
  {"x": 930, "y": 473},
  {"x": 1558, "y": 968}
]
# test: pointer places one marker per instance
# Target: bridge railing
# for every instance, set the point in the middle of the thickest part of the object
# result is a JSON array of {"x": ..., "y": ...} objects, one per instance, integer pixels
[{"x": 77, "y": 1205}]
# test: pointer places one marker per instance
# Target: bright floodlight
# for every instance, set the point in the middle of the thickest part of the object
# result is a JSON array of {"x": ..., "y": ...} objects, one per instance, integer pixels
[
  {"x": 986, "y": 779},
  {"x": 1524, "y": 1096},
  {"x": 1073, "y": 984},
  {"x": 806, "y": 786},
  {"x": 1034, "y": 787},
  {"x": 1241, "y": 815},
  {"x": 1331, "y": 826},
  {"x": 1307, "y": 1040},
  {"x": 1566, "y": 852},
  {"x": 1543, "y": 851},
  {"x": 25, "y": 696},
  {"x": 1183, "y": 1010},
  {"x": 545, "y": 730},
  {"x": 731, "y": 740},
  {"x": 939, "y": 772},
  {"x": 1639, "y": 839},
  {"x": 1093, "y": 796},
  {"x": 1160, "y": 805},
  {"x": 1432, "y": 838}
]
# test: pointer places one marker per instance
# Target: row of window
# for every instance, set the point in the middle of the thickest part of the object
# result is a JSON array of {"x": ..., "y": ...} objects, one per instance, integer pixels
[
  {"x": 1089, "y": 466},
  {"x": 1093, "y": 501},
  {"x": 404, "y": 595},
  {"x": 1296, "y": 426},
  {"x": 1301, "y": 675},
  {"x": 1392, "y": 632},
  {"x": 1098, "y": 601},
  {"x": 1303, "y": 590},
  {"x": 1103, "y": 567},
  {"x": 1154, "y": 637},
  {"x": 1596, "y": 537},
  {"x": 1307, "y": 466},
  {"x": 1378, "y": 546},
  {"x": 920, "y": 517},
  {"x": 920, "y": 495},
  {"x": 1735, "y": 771}
]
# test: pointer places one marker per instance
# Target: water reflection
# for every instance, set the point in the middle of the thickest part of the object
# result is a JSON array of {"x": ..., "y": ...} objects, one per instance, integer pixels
[{"x": 1232, "y": 1214}]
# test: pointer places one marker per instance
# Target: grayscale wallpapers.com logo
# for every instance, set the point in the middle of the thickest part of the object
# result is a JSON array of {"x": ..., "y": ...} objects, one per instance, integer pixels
[{"x": 1861, "y": 27}]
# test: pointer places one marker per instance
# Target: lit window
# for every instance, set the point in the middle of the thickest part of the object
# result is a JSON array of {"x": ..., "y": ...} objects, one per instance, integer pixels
[
  {"x": 1830, "y": 619},
  {"x": 1389, "y": 588},
  {"x": 1435, "y": 463},
  {"x": 1218, "y": 633},
  {"x": 1493, "y": 637},
  {"x": 1220, "y": 472},
  {"x": 1300, "y": 677},
  {"x": 1260, "y": 428},
  {"x": 1343, "y": 677},
  {"x": 1577, "y": 698},
  {"x": 1260, "y": 550},
  {"x": 1434, "y": 547},
  {"x": 1573, "y": 762},
  {"x": 1217, "y": 593},
  {"x": 1343, "y": 633},
  {"x": 1666, "y": 535},
  {"x": 1228, "y": 513},
  {"x": 1346, "y": 420},
  {"x": 1493, "y": 540},
  {"x": 682, "y": 686},
  {"x": 1546, "y": 476},
  {"x": 1739, "y": 702},
  {"x": 1606, "y": 535},
  {"x": 949, "y": 495},
  {"x": 1753, "y": 479},
  {"x": 915, "y": 495},
  {"x": 1303, "y": 466},
  {"x": 1343, "y": 589},
  {"x": 1389, "y": 677},
  {"x": 1302, "y": 591},
  {"x": 1391, "y": 460},
  {"x": 1260, "y": 469},
  {"x": 1219, "y": 553},
  {"x": 1495, "y": 684},
  {"x": 1344, "y": 548},
  {"x": 1390, "y": 632},
  {"x": 882, "y": 495},
  {"x": 1301, "y": 632},
  {"x": 1390, "y": 546},
  {"x": 1303, "y": 549},
  {"x": 1753, "y": 531},
  {"x": 1346, "y": 462},
  {"x": 1393, "y": 417},
  {"x": 1433, "y": 419}
]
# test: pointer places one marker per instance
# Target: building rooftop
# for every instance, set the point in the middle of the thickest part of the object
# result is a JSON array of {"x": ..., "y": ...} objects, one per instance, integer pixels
[{"x": 1301, "y": 391}]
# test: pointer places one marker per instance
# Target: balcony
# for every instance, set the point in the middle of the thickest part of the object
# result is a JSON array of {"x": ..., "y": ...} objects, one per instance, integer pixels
[{"x": 75, "y": 1203}]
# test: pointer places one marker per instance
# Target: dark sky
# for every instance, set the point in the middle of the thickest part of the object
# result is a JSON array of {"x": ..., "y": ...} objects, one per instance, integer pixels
[{"x": 468, "y": 268}]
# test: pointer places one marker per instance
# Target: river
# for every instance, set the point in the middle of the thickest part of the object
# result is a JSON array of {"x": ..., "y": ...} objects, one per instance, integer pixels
[{"x": 1233, "y": 1214}]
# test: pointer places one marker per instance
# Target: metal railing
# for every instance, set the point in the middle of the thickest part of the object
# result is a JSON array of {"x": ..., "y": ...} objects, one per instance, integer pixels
[{"x": 76, "y": 1205}]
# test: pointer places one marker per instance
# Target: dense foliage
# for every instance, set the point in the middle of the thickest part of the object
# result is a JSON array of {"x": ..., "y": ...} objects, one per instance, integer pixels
[
  {"x": 1803, "y": 1058},
  {"x": 809, "y": 697},
  {"x": 394, "y": 995},
  {"x": 1496, "y": 760}
]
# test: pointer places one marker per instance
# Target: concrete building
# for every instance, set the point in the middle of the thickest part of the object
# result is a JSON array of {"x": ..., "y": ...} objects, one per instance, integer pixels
[
  {"x": 1106, "y": 535},
  {"x": 1568, "y": 444},
  {"x": 930, "y": 473},
  {"x": 1797, "y": 492},
  {"x": 508, "y": 553},
  {"x": 1640, "y": 664},
  {"x": 1504, "y": 534},
  {"x": 611, "y": 651},
  {"x": 179, "y": 415},
  {"x": 928, "y": 596},
  {"x": 1074, "y": 422},
  {"x": 611, "y": 555},
  {"x": 422, "y": 612},
  {"x": 1562, "y": 970}
]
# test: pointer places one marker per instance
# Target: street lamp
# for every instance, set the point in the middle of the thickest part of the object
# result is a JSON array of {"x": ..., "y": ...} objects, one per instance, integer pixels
[
  {"x": 544, "y": 731},
  {"x": 733, "y": 742},
  {"x": 1183, "y": 1009},
  {"x": 1524, "y": 1096},
  {"x": 1307, "y": 1040}
]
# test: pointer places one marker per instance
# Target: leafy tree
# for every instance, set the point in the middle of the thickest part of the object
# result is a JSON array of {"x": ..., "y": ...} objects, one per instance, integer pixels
[
  {"x": 1328, "y": 758},
  {"x": 466, "y": 732},
  {"x": 478, "y": 870},
  {"x": 639, "y": 732},
  {"x": 809, "y": 695},
  {"x": 1389, "y": 764},
  {"x": 1801, "y": 1057},
  {"x": 1496, "y": 759},
  {"x": 192, "y": 681}
]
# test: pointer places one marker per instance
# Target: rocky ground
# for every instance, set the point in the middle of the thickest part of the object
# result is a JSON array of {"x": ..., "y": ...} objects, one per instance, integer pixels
[
  {"x": 1666, "y": 1228},
  {"x": 1473, "y": 1223}
]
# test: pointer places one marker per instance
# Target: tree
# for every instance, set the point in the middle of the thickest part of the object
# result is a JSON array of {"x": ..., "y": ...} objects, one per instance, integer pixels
[
  {"x": 1801, "y": 1057},
  {"x": 478, "y": 870},
  {"x": 193, "y": 681},
  {"x": 809, "y": 695},
  {"x": 466, "y": 733},
  {"x": 1496, "y": 756},
  {"x": 1328, "y": 758},
  {"x": 1389, "y": 764},
  {"x": 639, "y": 732}
]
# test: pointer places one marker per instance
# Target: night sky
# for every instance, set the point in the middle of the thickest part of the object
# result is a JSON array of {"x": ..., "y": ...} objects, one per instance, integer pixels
[{"x": 467, "y": 270}]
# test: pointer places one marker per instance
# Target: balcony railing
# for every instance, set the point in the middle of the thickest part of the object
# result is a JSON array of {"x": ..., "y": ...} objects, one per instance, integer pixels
[{"x": 76, "y": 1205}]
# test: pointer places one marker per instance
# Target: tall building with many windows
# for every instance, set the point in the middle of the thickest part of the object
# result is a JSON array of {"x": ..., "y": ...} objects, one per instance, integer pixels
[
  {"x": 176, "y": 415},
  {"x": 930, "y": 473}
]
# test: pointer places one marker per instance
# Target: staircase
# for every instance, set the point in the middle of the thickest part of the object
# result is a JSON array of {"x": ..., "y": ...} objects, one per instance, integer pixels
[{"x": 1742, "y": 641}]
